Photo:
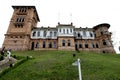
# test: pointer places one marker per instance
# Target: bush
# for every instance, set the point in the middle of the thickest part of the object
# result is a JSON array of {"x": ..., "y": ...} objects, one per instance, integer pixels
[{"x": 1, "y": 58}]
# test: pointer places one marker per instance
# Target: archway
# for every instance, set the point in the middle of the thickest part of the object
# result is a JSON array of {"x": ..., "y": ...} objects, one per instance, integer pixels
[
  {"x": 76, "y": 47},
  {"x": 32, "y": 46}
]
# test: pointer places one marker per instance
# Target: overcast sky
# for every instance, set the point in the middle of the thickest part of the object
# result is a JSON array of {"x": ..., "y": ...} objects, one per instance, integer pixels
[{"x": 83, "y": 13}]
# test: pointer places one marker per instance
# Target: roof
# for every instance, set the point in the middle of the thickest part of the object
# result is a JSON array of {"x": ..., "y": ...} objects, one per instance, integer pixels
[
  {"x": 71, "y": 24},
  {"x": 103, "y": 24},
  {"x": 83, "y": 29},
  {"x": 27, "y": 6},
  {"x": 45, "y": 28}
]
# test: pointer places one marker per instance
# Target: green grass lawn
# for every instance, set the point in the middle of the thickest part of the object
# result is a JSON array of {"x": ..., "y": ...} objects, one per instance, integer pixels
[{"x": 57, "y": 65}]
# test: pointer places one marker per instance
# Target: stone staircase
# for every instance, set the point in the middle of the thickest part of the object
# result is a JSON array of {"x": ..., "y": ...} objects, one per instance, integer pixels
[{"x": 7, "y": 62}]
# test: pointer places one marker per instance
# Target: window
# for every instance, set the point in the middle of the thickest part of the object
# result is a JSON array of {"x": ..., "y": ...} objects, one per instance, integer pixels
[
  {"x": 104, "y": 42},
  {"x": 55, "y": 44},
  {"x": 80, "y": 45},
  {"x": 50, "y": 44},
  {"x": 75, "y": 33},
  {"x": 37, "y": 45},
  {"x": 67, "y": 31},
  {"x": 101, "y": 32},
  {"x": 71, "y": 30},
  {"x": 86, "y": 45},
  {"x": 38, "y": 34},
  {"x": 16, "y": 36},
  {"x": 43, "y": 45},
  {"x": 50, "y": 33},
  {"x": 11, "y": 36},
  {"x": 84, "y": 33},
  {"x": 93, "y": 45},
  {"x": 91, "y": 35},
  {"x": 22, "y": 9},
  {"x": 60, "y": 30},
  {"x": 34, "y": 34},
  {"x": 78, "y": 34},
  {"x": 20, "y": 19},
  {"x": 55, "y": 34},
  {"x": 97, "y": 45},
  {"x": 45, "y": 33},
  {"x": 64, "y": 31},
  {"x": 20, "y": 36},
  {"x": 18, "y": 25},
  {"x": 68, "y": 42},
  {"x": 63, "y": 42}
]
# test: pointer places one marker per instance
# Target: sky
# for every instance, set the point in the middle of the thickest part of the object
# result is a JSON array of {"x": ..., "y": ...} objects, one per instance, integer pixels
[{"x": 82, "y": 13}]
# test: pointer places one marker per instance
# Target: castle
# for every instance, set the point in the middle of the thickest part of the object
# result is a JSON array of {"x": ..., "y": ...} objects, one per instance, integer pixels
[{"x": 22, "y": 34}]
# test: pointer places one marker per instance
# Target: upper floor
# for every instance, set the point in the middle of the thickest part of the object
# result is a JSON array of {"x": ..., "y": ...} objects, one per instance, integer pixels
[{"x": 68, "y": 30}]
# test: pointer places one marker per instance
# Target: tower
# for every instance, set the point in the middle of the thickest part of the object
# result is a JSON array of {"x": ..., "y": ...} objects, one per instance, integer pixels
[
  {"x": 23, "y": 20},
  {"x": 103, "y": 36},
  {"x": 66, "y": 37}
]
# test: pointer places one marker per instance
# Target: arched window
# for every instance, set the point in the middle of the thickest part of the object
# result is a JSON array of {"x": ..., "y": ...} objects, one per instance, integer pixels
[
  {"x": 69, "y": 43},
  {"x": 86, "y": 45},
  {"x": 104, "y": 42},
  {"x": 34, "y": 34},
  {"x": 93, "y": 45},
  {"x": 63, "y": 42},
  {"x": 32, "y": 46},
  {"x": 43, "y": 45},
  {"x": 80, "y": 45},
  {"x": 78, "y": 34},
  {"x": 50, "y": 44},
  {"x": 37, "y": 45},
  {"x": 97, "y": 45}
]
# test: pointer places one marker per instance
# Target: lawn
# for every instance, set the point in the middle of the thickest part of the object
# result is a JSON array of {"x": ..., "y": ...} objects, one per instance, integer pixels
[{"x": 57, "y": 65}]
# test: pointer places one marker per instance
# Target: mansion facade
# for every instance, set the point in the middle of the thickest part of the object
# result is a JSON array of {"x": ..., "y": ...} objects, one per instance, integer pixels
[{"x": 22, "y": 34}]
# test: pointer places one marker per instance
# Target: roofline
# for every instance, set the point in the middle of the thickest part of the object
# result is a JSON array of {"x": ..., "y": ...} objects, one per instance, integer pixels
[
  {"x": 106, "y": 24},
  {"x": 28, "y": 6}
]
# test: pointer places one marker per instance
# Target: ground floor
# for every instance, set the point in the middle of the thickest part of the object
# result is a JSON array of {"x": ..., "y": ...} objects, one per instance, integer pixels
[
  {"x": 70, "y": 44},
  {"x": 61, "y": 43}
]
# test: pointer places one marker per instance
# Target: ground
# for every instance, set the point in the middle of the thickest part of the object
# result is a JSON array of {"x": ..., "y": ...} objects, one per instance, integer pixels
[{"x": 57, "y": 65}]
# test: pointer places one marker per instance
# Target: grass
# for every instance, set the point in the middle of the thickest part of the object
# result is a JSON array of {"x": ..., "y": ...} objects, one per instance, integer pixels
[{"x": 57, "y": 65}]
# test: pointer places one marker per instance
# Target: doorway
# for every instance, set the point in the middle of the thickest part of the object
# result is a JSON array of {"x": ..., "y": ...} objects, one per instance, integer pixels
[{"x": 32, "y": 46}]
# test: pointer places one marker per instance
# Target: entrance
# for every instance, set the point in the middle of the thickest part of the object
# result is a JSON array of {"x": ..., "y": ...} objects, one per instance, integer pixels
[
  {"x": 32, "y": 46},
  {"x": 76, "y": 47}
]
